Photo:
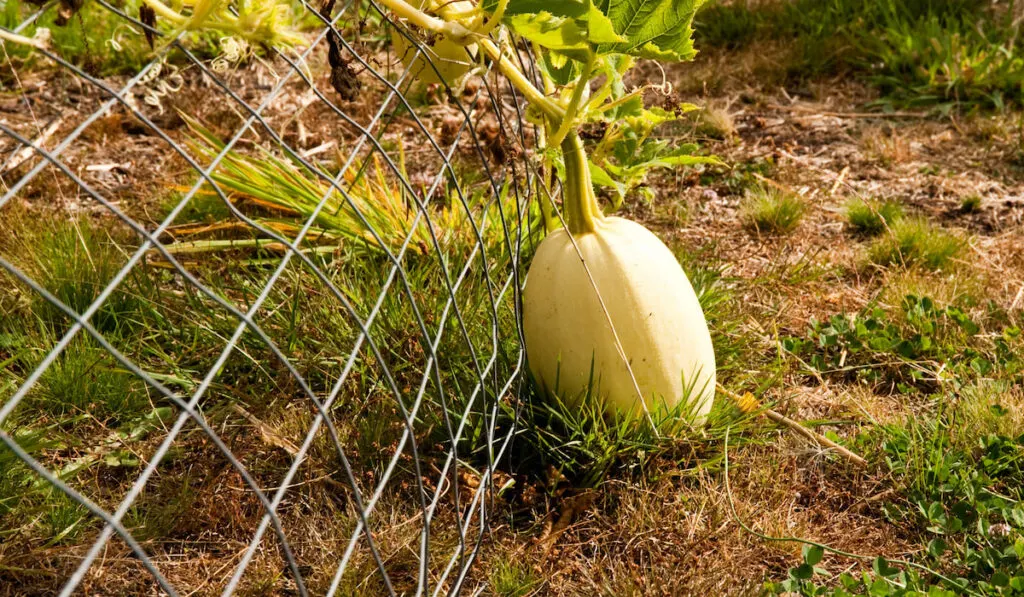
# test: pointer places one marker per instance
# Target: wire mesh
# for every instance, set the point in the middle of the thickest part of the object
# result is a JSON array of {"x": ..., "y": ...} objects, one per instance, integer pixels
[{"x": 323, "y": 409}]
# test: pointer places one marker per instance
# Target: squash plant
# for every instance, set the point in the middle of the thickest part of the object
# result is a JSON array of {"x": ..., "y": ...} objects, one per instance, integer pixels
[{"x": 607, "y": 309}]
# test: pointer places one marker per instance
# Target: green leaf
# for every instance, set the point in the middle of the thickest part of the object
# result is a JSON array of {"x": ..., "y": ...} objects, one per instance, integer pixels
[
  {"x": 656, "y": 29},
  {"x": 802, "y": 572},
  {"x": 562, "y": 70},
  {"x": 566, "y": 26},
  {"x": 813, "y": 554},
  {"x": 600, "y": 177},
  {"x": 882, "y": 568},
  {"x": 601, "y": 29},
  {"x": 558, "y": 34}
]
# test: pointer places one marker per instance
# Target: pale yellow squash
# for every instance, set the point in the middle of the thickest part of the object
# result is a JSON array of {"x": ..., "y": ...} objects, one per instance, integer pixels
[
  {"x": 648, "y": 299},
  {"x": 452, "y": 61}
]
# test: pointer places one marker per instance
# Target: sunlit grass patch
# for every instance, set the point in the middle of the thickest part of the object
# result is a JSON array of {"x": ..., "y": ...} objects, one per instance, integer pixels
[
  {"x": 915, "y": 241},
  {"x": 86, "y": 379},
  {"x": 872, "y": 217},
  {"x": 510, "y": 578},
  {"x": 75, "y": 260},
  {"x": 768, "y": 209}
]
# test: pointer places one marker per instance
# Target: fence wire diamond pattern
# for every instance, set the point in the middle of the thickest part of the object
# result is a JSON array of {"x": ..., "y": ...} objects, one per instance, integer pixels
[{"x": 290, "y": 401}]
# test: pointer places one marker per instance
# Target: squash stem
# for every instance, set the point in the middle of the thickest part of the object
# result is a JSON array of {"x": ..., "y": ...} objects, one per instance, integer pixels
[{"x": 578, "y": 200}]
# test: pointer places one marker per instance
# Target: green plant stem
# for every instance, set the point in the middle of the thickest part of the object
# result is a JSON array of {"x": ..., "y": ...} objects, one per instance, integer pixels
[
  {"x": 165, "y": 12},
  {"x": 460, "y": 34},
  {"x": 516, "y": 77},
  {"x": 578, "y": 201},
  {"x": 495, "y": 20},
  {"x": 568, "y": 121},
  {"x": 21, "y": 39},
  {"x": 417, "y": 17}
]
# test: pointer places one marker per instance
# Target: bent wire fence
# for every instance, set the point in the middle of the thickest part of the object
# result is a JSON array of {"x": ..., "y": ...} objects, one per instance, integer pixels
[{"x": 259, "y": 318}]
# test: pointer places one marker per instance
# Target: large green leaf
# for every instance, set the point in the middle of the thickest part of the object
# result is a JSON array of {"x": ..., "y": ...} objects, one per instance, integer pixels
[
  {"x": 558, "y": 34},
  {"x": 658, "y": 29},
  {"x": 569, "y": 27}
]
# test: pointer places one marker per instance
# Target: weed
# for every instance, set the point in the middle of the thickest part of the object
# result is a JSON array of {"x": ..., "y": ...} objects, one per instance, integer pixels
[
  {"x": 888, "y": 147},
  {"x": 872, "y": 217},
  {"x": 376, "y": 212},
  {"x": 964, "y": 497},
  {"x": 74, "y": 261},
  {"x": 715, "y": 123},
  {"x": 961, "y": 482},
  {"x": 915, "y": 241},
  {"x": 93, "y": 38},
  {"x": 917, "y": 52},
  {"x": 512, "y": 579},
  {"x": 85, "y": 379},
  {"x": 740, "y": 177},
  {"x": 921, "y": 345},
  {"x": 154, "y": 518},
  {"x": 970, "y": 204},
  {"x": 585, "y": 445},
  {"x": 771, "y": 210},
  {"x": 63, "y": 518},
  {"x": 731, "y": 25},
  {"x": 940, "y": 60}
]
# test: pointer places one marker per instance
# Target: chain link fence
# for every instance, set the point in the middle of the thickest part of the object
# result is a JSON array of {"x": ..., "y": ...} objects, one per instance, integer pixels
[{"x": 211, "y": 390}]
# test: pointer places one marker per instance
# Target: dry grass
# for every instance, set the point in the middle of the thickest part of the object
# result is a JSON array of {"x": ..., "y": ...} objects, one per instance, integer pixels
[{"x": 665, "y": 532}]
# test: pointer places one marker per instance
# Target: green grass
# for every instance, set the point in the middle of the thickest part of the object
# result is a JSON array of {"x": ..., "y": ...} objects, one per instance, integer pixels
[
  {"x": 731, "y": 25},
  {"x": 103, "y": 43},
  {"x": 970, "y": 204},
  {"x": 93, "y": 39},
  {"x": 64, "y": 519},
  {"x": 872, "y": 217},
  {"x": 767, "y": 209},
  {"x": 912, "y": 241},
  {"x": 957, "y": 468},
  {"x": 918, "y": 53},
  {"x": 510, "y": 578},
  {"x": 913, "y": 347},
  {"x": 74, "y": 261},
  {"x": 86, "y": 379}
]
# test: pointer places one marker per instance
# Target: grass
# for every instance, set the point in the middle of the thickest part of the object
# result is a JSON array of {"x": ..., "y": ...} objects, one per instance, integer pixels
[
  {"x": 715, "y": 123},
  {"x": 86, "y": 379},
  {"x": 102, "y": 43},
  {"x": 917, "y": 53},
  {"x": 93, "y": 38},
  {"x": 192, "y": 494},
  {"x": 912, "y": 241},
  {"x": 377, "y": 213},
  {"x": 916, "y": 369},
  {"x": 872, "y": 218},
  {"x": 176, "y": 334},
  {"x": 970, "y": 204},
  {"x": 914, "y": 346},
  {"x": 512, "y": 579},
  {"x": 767, "y": 209},
  {"x": 74, "y": 261}
]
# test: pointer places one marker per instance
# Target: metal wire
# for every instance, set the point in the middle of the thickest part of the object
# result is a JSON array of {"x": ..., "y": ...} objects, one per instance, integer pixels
[{"x": 442, "y": 568}]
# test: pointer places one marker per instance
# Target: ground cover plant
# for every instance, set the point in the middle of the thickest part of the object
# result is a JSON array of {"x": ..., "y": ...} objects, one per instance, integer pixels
[
  {"x": 945, "y": 54},
  {"x": 860, "y": 272}
]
